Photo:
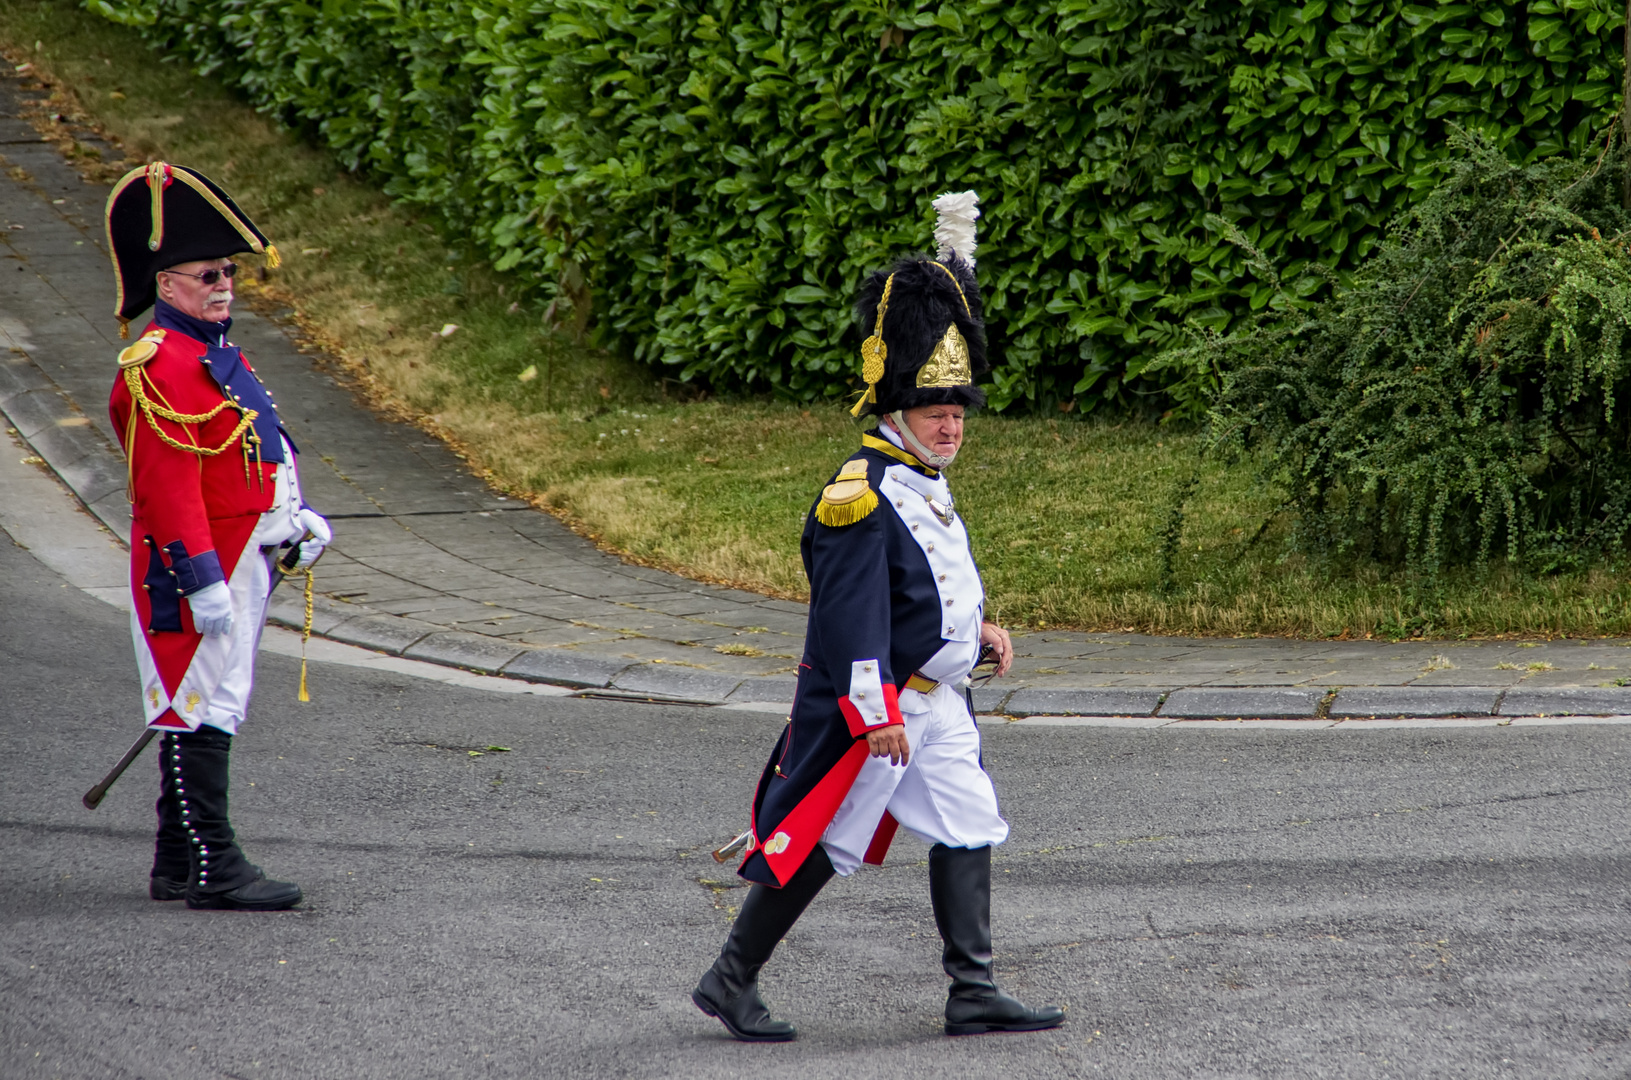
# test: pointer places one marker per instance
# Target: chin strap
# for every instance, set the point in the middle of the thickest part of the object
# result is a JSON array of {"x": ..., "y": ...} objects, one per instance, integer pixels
[{"x": 930, "y": 458}]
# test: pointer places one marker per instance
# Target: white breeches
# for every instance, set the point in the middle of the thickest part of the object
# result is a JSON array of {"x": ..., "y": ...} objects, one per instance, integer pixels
[
  {"x": 941, "y": 796},
  {"x": 215, "y": 690}
]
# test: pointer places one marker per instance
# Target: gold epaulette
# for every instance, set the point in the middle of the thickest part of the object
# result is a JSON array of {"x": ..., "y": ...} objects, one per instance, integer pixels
[
  {"x": 849, "y": 498},
  {"x": 142, "y": 349}
]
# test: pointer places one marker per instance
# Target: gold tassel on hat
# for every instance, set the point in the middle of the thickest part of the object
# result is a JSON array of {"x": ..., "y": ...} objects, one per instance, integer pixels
[
  {"x": 305, "y": 636},
  {"x": 273, "y": 259},
  {"x": 156, "y": 175},
  {"x": 873, "y": 354}
]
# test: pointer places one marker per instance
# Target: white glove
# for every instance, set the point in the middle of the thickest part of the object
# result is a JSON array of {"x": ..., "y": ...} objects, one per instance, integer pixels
[
  {"x": 212, "y": 609},
  {"x": 321, "y": 535}
]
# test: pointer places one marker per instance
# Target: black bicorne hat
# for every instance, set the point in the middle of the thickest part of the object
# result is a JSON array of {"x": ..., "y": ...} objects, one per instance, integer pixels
[
  {"x": 163, "y": 215},
  {"x": 925, "y": 322}
]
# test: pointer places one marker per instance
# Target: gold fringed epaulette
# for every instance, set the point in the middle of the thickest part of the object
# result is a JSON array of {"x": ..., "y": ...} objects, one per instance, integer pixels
[
  {"x": 849, "y": 498},
  {"x": 142, "y": 350}
]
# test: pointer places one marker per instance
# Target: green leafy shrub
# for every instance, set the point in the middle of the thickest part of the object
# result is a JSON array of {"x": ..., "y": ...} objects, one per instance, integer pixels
[
  {"x": 1467, "y": 393},
  {"x": 714, "y": 177}
]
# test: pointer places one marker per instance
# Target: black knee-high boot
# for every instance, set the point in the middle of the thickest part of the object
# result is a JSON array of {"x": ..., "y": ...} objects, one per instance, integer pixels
[
  {"x": 172, "y": 858},
  {"x": 730, "y": 989},
  {"x": 960, "y": 889},
  {"x": 221, "y": 878}
]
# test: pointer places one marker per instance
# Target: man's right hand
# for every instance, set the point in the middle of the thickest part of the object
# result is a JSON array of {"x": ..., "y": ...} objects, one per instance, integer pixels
[
  {"x": 889, "y": 742},
  {"x": 212, "y": 610}
]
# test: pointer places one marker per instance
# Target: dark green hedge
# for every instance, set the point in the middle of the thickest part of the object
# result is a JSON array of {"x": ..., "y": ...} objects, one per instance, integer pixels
[{"x": 721, "y": 173}]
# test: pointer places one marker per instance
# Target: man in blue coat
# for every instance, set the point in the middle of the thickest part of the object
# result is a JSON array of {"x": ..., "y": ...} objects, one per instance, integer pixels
[{"x": 881, "y": 734}]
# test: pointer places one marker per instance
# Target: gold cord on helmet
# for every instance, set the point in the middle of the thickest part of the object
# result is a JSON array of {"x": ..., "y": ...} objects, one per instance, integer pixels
[{"x": 948, "y": 366}]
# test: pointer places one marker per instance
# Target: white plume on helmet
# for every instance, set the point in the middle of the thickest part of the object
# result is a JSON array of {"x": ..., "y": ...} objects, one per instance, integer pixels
[{"x": 956, "y": 213}]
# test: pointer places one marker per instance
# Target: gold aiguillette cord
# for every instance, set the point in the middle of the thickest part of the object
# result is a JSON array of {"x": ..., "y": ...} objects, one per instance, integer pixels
[{"x": 305, "y": 636}]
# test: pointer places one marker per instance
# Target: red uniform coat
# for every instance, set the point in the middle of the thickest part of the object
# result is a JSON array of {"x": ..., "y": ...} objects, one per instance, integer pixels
[{"x": 194, "y": 513}]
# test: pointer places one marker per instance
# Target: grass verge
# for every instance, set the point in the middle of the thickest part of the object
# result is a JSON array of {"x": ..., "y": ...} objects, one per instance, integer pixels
[{"x": 1072, "y": 520}]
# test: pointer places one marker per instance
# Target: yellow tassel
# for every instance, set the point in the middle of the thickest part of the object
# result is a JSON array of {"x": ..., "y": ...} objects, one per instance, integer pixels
[
  {"x": 273, "y": 259},
  {"x": 305, "y": 636},
  {"x": 837, "y": 515},
  {"x": 874, "y": 353},
  {"x": 124, "y": 329}
]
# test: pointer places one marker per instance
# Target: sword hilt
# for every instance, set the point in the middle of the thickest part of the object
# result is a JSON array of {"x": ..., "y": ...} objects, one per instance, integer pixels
[{"x": 732, "y": 849}]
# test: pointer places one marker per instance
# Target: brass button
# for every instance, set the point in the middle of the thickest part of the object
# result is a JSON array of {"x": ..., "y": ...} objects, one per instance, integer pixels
[
  {"x": 942, "y": 577},
  {"x": 949, "y": 603}
]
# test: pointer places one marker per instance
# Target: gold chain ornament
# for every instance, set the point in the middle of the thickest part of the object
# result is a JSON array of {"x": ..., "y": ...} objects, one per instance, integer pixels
[{"x": 154, "y": 411}]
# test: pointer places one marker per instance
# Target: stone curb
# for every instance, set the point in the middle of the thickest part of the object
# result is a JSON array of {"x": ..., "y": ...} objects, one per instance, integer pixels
[
  {"x": 1383, "y": 701},
  {"x": 1105, "y": 701},
  {"x": 1253, "y": 702},
  {"x": 471, "y": 651},
  {"x": 1567, "y": 701},
  {"x": 691, "y": 683},
  {"x": 566, "y": 667},
  {"x": 1317, "y": 723}
]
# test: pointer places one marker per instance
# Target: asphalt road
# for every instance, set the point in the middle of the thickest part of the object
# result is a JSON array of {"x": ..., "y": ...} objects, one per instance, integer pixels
[{"x": 1228, "y": 903}]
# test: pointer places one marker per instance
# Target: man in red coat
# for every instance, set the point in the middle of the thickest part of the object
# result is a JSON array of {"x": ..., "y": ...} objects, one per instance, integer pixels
[{"x": 215, "y": 500}]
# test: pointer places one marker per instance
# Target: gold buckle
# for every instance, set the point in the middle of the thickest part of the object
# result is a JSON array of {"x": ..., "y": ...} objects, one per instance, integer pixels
[{"x": 921, "y": 684}]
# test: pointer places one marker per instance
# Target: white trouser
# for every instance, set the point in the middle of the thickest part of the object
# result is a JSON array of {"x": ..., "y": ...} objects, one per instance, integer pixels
[
  {"x": 941, "y": 796},
  {"x": 251, "y": 587},
  {"x": 215, "y": 689}
]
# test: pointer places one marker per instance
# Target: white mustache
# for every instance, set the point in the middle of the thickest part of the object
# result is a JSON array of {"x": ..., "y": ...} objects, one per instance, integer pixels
[{"x": 221, "y": 296}]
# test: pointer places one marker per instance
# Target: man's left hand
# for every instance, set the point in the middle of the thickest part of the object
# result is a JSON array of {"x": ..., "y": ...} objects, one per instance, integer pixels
[
  {"x": 995, "y": 636},
  {"x": 321, "y": 536}
]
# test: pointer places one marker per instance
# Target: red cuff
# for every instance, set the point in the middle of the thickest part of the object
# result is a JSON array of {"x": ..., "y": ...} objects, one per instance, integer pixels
[{"x": 874, "y": 718}]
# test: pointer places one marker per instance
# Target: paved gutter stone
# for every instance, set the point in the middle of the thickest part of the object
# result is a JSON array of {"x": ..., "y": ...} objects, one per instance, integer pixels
[
  {"x": 989, "y": 698},
  {"x": 387, "y": 633},
  {"x": 1084, "y": 721},
  {"x": 1300, "y": 723},
  {"x": 1356, "y": 701},
  {"x": 1232, "y": 702},
  {"x": 1555, "y": 721},
  {"x": 680, "y": 682},
  {"x": 473, "y": 651},
  {"x": 1092, "y": 701},
  {"x": 772, "y": 688},
  {"x": 567, "y": 667},
  {"x": 1576, "y": 701}
]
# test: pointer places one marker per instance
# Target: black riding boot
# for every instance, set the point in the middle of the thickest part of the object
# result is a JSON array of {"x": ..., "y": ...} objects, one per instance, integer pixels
[
  {"x": 730, "y": 989},
  {"x": 221, "y": 878},
  {"x": 960, "y": 889},
  {"x": 172, "y": 857}
]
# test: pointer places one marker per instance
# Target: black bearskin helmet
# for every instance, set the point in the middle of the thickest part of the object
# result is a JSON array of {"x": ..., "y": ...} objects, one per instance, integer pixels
[
  {"x": 178, "y": 215},
  {"x": 927, "y": 343}
]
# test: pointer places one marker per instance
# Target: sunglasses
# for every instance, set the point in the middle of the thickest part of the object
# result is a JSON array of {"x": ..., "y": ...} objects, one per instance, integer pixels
[{"x": 209, "y": 277}]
